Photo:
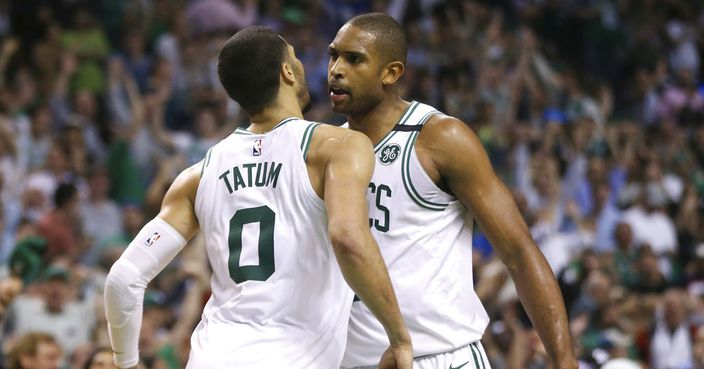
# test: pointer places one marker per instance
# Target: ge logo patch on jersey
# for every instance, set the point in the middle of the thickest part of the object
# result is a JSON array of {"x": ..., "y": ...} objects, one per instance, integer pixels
[
  {"x": 389, "y": 153},
  {"x": 150, "y": 241},
  {"x": 257, "y": 149}
]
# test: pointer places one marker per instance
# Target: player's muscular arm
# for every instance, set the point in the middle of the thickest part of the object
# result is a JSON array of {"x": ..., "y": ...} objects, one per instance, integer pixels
[
  {"x": 178, "y": 207},
  {"x": 350, "y": 162},
  {"x": 154, "y": 247},
  {"x": 460, "y": 161}
]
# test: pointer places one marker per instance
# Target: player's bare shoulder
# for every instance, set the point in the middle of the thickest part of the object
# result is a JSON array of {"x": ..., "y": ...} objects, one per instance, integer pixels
[
  {"x": 331, "y": 146},
  {"x": 186, "y": 183},
  {"x": 446, "y": 140},
  {"x": 441, "y": 131},
  {"x": 329, "y": 140}
]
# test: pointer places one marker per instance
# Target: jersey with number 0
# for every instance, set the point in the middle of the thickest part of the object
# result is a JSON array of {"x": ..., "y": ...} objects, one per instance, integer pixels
[
  {"x": 278, "y": 297},
  {"x": 425, "y": 236}
]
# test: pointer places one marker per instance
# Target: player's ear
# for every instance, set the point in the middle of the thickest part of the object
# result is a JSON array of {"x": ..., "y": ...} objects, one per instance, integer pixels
[
  {"x": 287, "y": 73},
  {"x": 392, "y": 72}
]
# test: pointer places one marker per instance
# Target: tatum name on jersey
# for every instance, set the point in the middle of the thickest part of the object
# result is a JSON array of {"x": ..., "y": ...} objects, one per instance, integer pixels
[{"x": 259, "y": 177}]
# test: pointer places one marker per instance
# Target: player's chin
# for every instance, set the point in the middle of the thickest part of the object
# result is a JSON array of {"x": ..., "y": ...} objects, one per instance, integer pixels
[{"x": 340, "y": 107}]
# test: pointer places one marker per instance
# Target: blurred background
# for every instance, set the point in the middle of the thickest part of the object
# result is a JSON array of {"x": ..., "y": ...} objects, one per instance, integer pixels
[{"x": 592, "y": 111}]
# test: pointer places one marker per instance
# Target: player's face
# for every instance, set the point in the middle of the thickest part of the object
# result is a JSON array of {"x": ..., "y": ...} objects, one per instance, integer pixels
[
  {"x": 301, "y": 85},
  {"x": 354, "y": 72}
]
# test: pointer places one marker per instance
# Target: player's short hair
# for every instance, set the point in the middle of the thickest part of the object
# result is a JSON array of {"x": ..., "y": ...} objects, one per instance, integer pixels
[
  {"x": 27, "y": 345},
  {"x": 389, "y": 37},
  {"x": 249, "y": 65}
]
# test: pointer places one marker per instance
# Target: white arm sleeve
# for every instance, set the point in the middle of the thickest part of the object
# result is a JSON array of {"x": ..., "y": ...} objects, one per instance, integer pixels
[{"x": 148, "y": 254}]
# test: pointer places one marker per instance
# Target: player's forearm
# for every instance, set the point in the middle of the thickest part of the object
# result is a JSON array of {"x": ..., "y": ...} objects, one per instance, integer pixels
[
  {"x": 124, "y": 294},
  {"x": 153, "y": 248},
  {"x": 541, "y": 297},
  {"x": 364, "y": 270}
]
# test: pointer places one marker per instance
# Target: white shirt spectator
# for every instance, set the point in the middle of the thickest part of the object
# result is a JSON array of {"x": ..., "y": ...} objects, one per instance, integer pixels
[
  {"x": 101, "y": 220},
  {"x": 559, "y": 249},
  {"x": 654, "y": 228},
  {"x": 71, "y": 327},
  {"x": 671, "y": 350}
]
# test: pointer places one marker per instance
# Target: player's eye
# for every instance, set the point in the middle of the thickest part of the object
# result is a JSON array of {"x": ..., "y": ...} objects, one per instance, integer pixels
[{"x": 333, "y": 54}]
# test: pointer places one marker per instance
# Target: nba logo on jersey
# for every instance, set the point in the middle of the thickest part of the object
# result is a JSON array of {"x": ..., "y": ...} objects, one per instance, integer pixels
[
  {"x": 257, "y": 149},
  {"x": 155, "y": 237}
]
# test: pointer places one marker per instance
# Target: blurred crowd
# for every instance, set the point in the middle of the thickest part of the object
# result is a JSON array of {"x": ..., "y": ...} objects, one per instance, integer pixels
[{"x": 592, "y": 111}]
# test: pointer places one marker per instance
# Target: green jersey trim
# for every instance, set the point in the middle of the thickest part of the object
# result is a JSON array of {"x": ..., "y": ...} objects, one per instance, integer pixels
[
  {"x": 242, "y": 131},
  {"x": 284, "y": 122},
  {"x": 475, "y": 347},
  {"x": 401, "y": 121},
  {"x": 474, "y": 356},
  {"x": 206, "y": 161},
  {"x": 307, "y": 138}
]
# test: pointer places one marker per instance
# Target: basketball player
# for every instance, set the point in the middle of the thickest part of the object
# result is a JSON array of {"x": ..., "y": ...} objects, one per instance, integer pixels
[
  {"x": 269, "y": 200},
  {"x": 432, "y": 178}
]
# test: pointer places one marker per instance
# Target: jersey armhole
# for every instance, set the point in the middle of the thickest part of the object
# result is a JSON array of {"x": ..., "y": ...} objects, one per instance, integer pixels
[
  {"x": 305, "y": 180},
  {"x": 198, "y": 199},
  {"x": 307, "y": 138},
  {"x": 206, "y": 161},
  {"x": 406, "y": 177}
]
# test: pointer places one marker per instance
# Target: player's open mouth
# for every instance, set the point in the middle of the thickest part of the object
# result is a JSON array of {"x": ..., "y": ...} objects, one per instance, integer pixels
[{"x": 338, "y": 94}]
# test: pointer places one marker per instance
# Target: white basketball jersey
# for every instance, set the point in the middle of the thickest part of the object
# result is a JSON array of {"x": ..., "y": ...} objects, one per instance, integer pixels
[
  {"x": 425, "y": 236},
  {"x": 278, "y": 297}
]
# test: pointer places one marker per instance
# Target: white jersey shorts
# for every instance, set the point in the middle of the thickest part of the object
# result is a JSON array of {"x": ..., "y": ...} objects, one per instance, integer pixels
[{"x": 471, "y": 356}]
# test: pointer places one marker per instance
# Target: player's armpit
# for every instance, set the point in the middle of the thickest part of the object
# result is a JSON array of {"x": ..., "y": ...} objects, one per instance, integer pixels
[{"x": 459, "y": 160}]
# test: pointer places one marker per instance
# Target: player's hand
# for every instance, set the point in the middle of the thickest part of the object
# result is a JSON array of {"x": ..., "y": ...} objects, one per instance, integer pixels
[{"x": 397, "y": 357}]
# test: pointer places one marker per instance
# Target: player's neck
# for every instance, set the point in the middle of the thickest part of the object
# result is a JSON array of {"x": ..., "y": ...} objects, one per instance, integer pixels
[
  {"x": 267, "y": 119},
  {"x": 380, "y": 120}
]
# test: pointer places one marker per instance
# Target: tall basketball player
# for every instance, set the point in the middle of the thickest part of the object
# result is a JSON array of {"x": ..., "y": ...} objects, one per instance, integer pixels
[{"x": 283, "y": 212}]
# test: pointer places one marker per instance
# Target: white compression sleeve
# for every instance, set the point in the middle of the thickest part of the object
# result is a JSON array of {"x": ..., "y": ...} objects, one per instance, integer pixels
[{"x": 148, "y": 254}]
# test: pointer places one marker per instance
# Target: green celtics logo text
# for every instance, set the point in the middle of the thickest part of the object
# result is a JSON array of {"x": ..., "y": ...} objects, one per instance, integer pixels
[{"x": 389, "y": 153}]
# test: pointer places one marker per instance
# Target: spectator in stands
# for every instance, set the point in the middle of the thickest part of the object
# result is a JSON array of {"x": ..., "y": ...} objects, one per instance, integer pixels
[
  {"x": 669, "y": 344},
  {"x": 35, "y": 351},
  {"x": 88, "y": 42},
  {"x": 648, "y": 277},
  {"x": 650, "y": 223},
  {"x": 61, "y": 225},
  {"x": 36, "y": 149},
  {"x": 101, "y": 358},
  {"x": 100, "y": 216},
  {"x": 57, "y": 310}
]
